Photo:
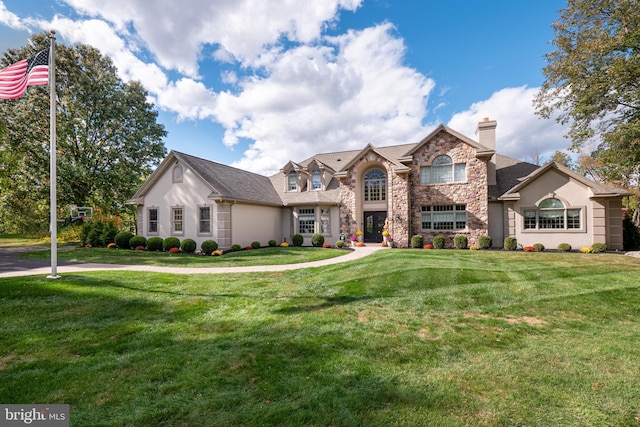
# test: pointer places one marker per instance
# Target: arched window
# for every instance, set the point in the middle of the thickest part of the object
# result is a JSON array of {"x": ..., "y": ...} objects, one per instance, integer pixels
[
  {"x": 293, "y": 181},
  {"x": 316, "y": 179},
  {"x": 443, "y": 170},
  {"x": 552, "y": 214},
  {"x": 375, "y": 186},
  {"x": 176, "y": 173}
]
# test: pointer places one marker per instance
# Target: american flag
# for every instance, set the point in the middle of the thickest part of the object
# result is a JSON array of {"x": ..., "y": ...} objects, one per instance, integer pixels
[{"x": 32, "y": 71}]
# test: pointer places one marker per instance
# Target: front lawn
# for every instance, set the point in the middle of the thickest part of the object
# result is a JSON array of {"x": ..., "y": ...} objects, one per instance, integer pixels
[
  {"x": 402, "y": 337},
  {"x": 245, "y": 257}
]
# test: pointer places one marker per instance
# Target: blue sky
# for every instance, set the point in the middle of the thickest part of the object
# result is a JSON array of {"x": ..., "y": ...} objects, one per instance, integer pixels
[{"x": 255, "y": 83}]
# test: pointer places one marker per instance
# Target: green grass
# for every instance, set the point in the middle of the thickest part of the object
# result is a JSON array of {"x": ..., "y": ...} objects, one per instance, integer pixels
[
  {"x": 403, "y": 337},
  {"x": 262, "y": 256},
  {"x": 11, "y": 240}
]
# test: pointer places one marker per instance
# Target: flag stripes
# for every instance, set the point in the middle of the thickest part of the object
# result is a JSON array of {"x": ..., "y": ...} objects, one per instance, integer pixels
[{"x": 32, "y": 71}]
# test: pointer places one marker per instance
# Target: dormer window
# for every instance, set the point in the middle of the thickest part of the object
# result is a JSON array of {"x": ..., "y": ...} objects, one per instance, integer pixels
[
  {"x": 316, "y": 179},
  {"x": 293, "y": 181},
  {"x": 442, "y": 171}
]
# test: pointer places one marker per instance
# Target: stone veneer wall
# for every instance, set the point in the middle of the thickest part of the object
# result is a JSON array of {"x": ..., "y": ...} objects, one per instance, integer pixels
[
  {"x": 351, "y": 209},
  {"x": 472, "y": 193}
]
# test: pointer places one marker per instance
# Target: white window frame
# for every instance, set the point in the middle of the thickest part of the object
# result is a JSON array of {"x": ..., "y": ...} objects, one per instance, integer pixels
[
  {"x": 202, "y": 221},
  {"x": 177, "y": 225},
  {"x": 325, "y": 221},
  {"x": 434, "y": 216},
  {"x": 292, "y": 181},
  {"x": 533, "y": 218},
  {"x": 176, "y": 173},
  {"x": 150, "y": 221},
  {"x": 306, "y": 220},
  {"x": 443, "y": 171},
  {"x": 316, "y": 179}
]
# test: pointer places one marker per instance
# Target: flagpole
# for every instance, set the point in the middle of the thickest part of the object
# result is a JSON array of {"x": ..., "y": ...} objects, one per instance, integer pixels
[{"x": 52, "y": 166}]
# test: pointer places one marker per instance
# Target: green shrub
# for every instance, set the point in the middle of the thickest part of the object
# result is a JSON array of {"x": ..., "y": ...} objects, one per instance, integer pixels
[
  {"x": 208, "y": 246},
  {"x": 123, "y": 238},
  {"x": 510, "y": 243},
  {"x": 136, "y": 241},
  {"x": 599, "y": 247},
  {"x": 297, "y": 240},
  {"x": 438, "y": 242},
  {"x": 155, "y": 243},
  {"x": 272, "y": 243},
  {"x": 339, "y": 244},
  {"x": 630, "y": 233},
  {"x": 317, "y": 240},
  {"x": 171, "y": 242},
  {"x": 564, "y": 247},
  {"x": 484, "y": 242},
  {"x": 417, "y": 241},
  {"x": 235, "y": 248},
  {"x": 108, "y": 234},
  {"x": 460, "y": 242},
  {"x": 256, "y": 245},
  {"x": 188, "y": 245},
  {"x": 539, "y": 247}
]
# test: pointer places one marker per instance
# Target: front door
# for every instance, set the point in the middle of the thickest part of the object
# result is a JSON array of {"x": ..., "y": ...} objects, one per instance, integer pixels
[{"x": 373, "y": 226}]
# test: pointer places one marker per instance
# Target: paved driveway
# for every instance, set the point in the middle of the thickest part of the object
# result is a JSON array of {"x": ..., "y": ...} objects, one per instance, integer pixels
[{"x": 11, "y": 265}]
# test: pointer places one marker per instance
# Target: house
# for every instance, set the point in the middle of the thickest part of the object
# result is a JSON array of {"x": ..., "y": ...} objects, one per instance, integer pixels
[{"x": 446, "y": 184}]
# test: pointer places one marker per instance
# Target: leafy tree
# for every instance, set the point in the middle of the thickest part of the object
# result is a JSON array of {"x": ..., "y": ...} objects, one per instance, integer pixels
[
  {"x": 592, "y": 81},
  {"x": 563, "y": 158},
  {"x": 108, "y": 139}
]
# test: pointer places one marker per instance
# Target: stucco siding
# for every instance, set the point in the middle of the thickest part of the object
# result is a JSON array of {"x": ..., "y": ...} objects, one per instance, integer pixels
[{"x": 251, "y": 223}]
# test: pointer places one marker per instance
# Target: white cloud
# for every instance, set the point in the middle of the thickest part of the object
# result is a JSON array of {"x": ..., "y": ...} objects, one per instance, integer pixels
[
  {"x": 10, "y": 19},
  {"x": 176, "y": 31},
  {"x": 520, "y": 133},
  {"x": 352, "y": 91}
]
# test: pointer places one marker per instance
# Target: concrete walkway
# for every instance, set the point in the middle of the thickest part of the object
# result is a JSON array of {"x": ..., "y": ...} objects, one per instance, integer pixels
[{"x": 13, "y": 266}]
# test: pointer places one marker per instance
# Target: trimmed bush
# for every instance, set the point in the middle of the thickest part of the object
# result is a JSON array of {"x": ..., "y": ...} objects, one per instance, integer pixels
[
  {"x": 460, "y": 242},
  {"x": 138, "y": 241},
  {"x": 510, "y": 243},
  {"x": 272, "y": 243},
  {"x": 339, "y": 244},
  {"x": 317, "y": 240},
  {"x": 155, "y": 243},
  {"x": 170, "y": 243},
  {"x": 255, "y": 245},
  {"x": 438, "y": 242},
  {"x": 297, "y": 240},
  {"x": 564, "y": 247},
  {"x": 484, "y": 242},
  {"x": 539, "y": 247},
  {"x": 123, "y": 238},
  {"x": 417, "y": 241},
  {"x": 208, "y": 246},
  {"x": 599, "y": 247},
  {"x": 235, "y": 248},
  {"x": 188, "y": 246}
]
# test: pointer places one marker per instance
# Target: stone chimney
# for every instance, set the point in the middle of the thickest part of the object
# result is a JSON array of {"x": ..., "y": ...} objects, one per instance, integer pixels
[{"x": 486, "y": 133}]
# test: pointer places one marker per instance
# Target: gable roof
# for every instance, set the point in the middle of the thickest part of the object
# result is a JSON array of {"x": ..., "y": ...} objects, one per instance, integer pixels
[
  {"x": 598, "y": 189},
  {"x": 225, "y": 182},
  {"x": 481, "y": 150}
]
